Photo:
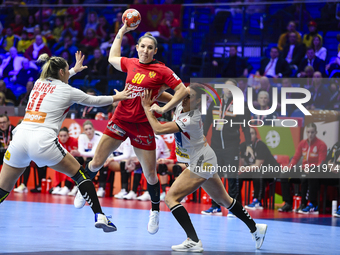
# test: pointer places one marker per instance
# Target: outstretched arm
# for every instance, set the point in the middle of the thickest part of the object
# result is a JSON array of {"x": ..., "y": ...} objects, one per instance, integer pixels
[
  {"x": 78, "y": 67},
  {"x": 115, "y": 51}
]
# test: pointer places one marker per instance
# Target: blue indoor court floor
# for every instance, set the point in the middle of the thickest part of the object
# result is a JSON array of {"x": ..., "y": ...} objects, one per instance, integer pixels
[{"x": 54, "y": 226}]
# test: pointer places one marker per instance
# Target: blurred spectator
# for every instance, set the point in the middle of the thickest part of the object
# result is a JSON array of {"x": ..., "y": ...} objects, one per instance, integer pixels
[
  {"x": 263, "y": 101},
  {"x": 58, "y": 28},
  {"x": 73, "y": 28},
  {"x": 68, "y": 57},
  {"x": 299, "y": 12},
  {"x": 18, "y": 25},
  {"x": 4, "y": 101},
  {"x": 334, "y": 100},
  {"x": 90, "y": 42},
  {"x": 44, "y": 13},
  {"x": 37, "y": 31},
  {"x": 290, "y": 108},
  {"x": 118, "y": 22},
  {"x": 86, "y": 112},
  {"x": 24, "y": 98},
  {"x": 308, "y": 74},
  {"x": 46, "y": 31},
  {"x": 263, "y": 157},
  {"x": 66, "y": 44},
  {"x": 8, "y": 41},
  {"x": 24, "y": 42},
  {"x": 36, "y": 49},
  {"x": 311, "y": 60},
  {"x": 26, "y": 73},
  {"x": 6, "y": 133},
  {"x": 233, "y": 66},
  {"x": 92, "y": 22},
  {"x": 285, "y": 36},
  {"x": 333, "y": 67},
  {"x": 243, "y": 85},
  {"x": 169, "y": 28},
  {"x": 29, "y": 26},
  {"x": 320, "y": 95},
  {"x": 18, "y": 7},
  {"x": 7, "y": 91},
  {"x": 102, "y": 29},
  {"x": 294, "y": 52},
  {"x": 97, "y": 65},
  {"x": 275, "y": 66},
  {"x": 76, "y": 11},
  {"x": 11, "y": 65},
  {"x": 320, "y": 52},
  {"x": 307, "y": 38},
  {"x": 264, "y": 86},
  {"x": 59, "y": 11}
]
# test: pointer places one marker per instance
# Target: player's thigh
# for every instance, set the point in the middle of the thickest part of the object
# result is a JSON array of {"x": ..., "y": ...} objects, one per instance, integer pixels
[
  {"x": 186, "y": 183},
  {"x": 105, "y": 147},
  {"x": 147, "y": 159}
]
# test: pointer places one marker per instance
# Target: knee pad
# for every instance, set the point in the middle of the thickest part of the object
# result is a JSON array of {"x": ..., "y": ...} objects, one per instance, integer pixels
[
  {"x": 80, "y": 176},
  {"x": 162, "y": 169},
  {"x": 176, "y": 170}
]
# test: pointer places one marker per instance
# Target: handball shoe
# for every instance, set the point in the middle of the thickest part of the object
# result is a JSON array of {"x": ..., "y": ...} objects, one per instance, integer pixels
[
  {"x": 121, "y": 194},
  {"x": 79, "y": 201},
  {"x": 259, "y": 234},
  {"x": 212, "y": 211},
  {"x": 102, "y": 221},
  {"x": 153, "y": 224},
  {"x": 188, "y": 246},
  {"x": 21, "y": 188}
]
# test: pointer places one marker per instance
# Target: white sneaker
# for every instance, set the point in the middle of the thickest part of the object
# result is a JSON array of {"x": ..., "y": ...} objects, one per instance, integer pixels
[
  {"x": 162, "y": 197},
  {"x": 188, "y": 246},
  {"x": 79, "y": 201},
  {"x": 130, "y": 195},
  {"x": 73, "y": 192},
  {"x": 259, "y": 234},
  {"x": 56, "y": 190},
  {"x": 153, "y": 224},
  {"x": 121, "y": 194},
  {"x": 145, "y": 196},
  {"x": 64, "y": 191},
  {"x": 100, "y": 192},
  {"x": 21, "y": 188}
]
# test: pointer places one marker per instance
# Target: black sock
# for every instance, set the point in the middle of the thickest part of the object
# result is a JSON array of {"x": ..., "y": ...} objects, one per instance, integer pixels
[
  {"x": 3, "y": 195},
  {"x": 103, "y": 177},
  {"x": 90, "y": 173},
  {"x": 164, "y": 187},
  {"x": 136, "y": 180},
  {"x": 124, "y": 176},
  {"x": 68, "y": 184},
  {"x": 86, "y": 188},
  {"x": 241, "y": 213},
  {"x": 183, "y": 218},
  {"x": 154, "y": 191},
  {"x": 26, "y": 175}
]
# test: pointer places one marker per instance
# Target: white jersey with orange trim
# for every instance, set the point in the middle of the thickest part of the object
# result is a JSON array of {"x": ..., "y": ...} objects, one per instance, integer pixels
[
  {"x": 191, "y": 139},
  {"x": 50, "y": 100}
]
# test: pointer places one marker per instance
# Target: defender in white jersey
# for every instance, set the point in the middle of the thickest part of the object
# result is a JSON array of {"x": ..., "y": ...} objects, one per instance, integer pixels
[
  {"x": 36, "y": 138},
  {"x": 192, "y": 149}
]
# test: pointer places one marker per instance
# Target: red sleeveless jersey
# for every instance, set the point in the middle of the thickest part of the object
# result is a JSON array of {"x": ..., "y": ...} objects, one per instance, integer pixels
[{"x": 141, "y": 77}]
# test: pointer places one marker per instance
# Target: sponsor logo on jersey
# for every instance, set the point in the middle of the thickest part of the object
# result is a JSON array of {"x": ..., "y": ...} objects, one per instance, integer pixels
[
  {"x": 152, "y": 74},
  {"x": 137, "y": 140},
  {"x": 37, "y": 117},
  {"x": 115, "y": 129},
  {"x": 7, "y": 155},
  {"x": 176, "y": 77},
  {"x": 181, "y": 154},
  {"x": 207, "y": 167}
]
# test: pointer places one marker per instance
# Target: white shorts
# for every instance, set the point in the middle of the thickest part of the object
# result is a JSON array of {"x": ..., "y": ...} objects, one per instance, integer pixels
[
  {"x": 39, "y": 146},
  {"x": 204, "y": 164}
]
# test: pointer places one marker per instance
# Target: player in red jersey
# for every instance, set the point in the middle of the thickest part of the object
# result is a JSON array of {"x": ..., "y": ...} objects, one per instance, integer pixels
[
  {"x": 129, "y": 119},
  {"x": 70, "y": 144}
]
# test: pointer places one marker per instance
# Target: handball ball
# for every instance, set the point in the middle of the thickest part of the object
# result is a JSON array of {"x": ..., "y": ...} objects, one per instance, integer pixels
[{"x": 132, "y": 16}]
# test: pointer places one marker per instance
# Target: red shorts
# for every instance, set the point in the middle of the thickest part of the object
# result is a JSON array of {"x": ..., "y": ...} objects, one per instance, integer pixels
[{"x": 140, "y": 134}]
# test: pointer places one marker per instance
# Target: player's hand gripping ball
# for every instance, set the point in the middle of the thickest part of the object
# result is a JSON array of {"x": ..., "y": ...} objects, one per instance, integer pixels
[{"x": 132, "y": 17}]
